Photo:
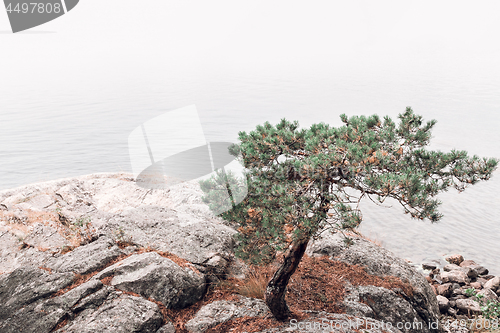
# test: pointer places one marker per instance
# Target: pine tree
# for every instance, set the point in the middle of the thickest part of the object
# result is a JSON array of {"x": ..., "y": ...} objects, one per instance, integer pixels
[{"x": 304, "y": 182}]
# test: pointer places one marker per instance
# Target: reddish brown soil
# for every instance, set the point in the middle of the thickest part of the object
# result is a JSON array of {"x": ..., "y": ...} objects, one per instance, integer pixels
[{"x": 318, "y": 284}]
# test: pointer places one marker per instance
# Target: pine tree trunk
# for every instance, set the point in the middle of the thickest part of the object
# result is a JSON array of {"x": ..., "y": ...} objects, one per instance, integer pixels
[{"x": 276, "y": 288}]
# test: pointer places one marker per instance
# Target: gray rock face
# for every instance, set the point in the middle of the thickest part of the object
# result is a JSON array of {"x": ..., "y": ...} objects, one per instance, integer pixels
[
  {"x": 422, "y": 306},
  {"x": 388, "y": 305},
  {"x": 174, "y": 220},
  {"x": 218, "y": 312},
  {"x": 45, "y": 238},
  {"x": 352, "y": 303},
  {"x": 43, "y": 315},
  {"x": 153, "y": 276},
  {"x": 122, "y": 314},
  {"x": 163, "y": 229},
  {"x": 27, "y": 285},
  {"x": 86, "y": 259}
]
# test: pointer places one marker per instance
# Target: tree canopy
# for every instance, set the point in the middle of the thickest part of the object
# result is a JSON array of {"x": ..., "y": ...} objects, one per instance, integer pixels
[{"x": 302, "y": 182}]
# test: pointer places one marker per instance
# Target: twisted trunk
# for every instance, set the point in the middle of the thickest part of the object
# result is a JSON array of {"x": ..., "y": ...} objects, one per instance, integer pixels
[{"x": 276, "y": 288}]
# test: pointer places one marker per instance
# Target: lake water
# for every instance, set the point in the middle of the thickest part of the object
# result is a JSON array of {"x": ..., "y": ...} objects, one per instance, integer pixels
[{"x": 71, "y": 94}]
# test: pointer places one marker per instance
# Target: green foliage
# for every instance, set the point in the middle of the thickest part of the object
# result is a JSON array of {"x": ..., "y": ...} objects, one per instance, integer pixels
[
  {"x": 82, "y": 221},
  {"x": 302, "y": 182},
  {"x": 469, "y": 292}
]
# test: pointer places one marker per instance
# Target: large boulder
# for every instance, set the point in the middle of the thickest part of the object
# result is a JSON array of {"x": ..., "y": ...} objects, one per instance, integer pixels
[
  {"x": 153, "y": 276},
  {"x": 218, "y": 312},
  {"x": 26, "y": 285},
  {"x": 86, "y": 259},
  {"x": 41, "y": 299},
  {"x": 124, "y": 313},
  {"x": 185, "y": 235},
  {"x": 387, "y": 305},
  {"x": 44, "y": 315}
]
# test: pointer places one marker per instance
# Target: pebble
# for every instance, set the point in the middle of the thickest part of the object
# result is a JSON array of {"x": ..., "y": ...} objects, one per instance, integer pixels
[{"x": 456, "y": 277}]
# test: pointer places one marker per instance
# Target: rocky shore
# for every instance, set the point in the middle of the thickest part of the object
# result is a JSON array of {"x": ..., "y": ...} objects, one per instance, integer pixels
[
  {"x": 462, "y": 287},
  {"x": 97, "y": 253}
]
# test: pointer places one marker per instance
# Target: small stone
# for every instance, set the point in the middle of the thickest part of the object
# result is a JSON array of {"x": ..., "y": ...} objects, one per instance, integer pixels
[
  {"x": 467, "y": 305},
  {"x": 455, "y": 286},
  {"x": 488, "y": 295},
  {"x": 429, "y": 266},
  {"x": 476, "y": 285},
  {"x": 452, "y": 311},
  {"x": 481, "y": 270},
  {"x": 444, "y": 289},
  {"x": 482, "y": 281},
  {"x": 436, "y": 271},
  {"x": 429, "y": 279},
  {"x": 167, "y": 328},
  {"x": 488, "y": 277},
  {"x": 471, "y": 272},
  {"x": 217, "y": 264},
  {"x": 450, "y": 267},
  {"x": 456, "y": 259},
  {"x": 455, "y": 276},
  {"x": 493, "y": 284},
  {"x": 467, "y": 263},
  {"x": 443, "y": 303}
]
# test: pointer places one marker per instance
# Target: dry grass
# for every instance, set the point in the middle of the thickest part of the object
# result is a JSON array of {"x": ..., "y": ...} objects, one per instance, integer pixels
[
  {"x": 254, "y": 285},
  {"x": 318, "y": 284}
]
